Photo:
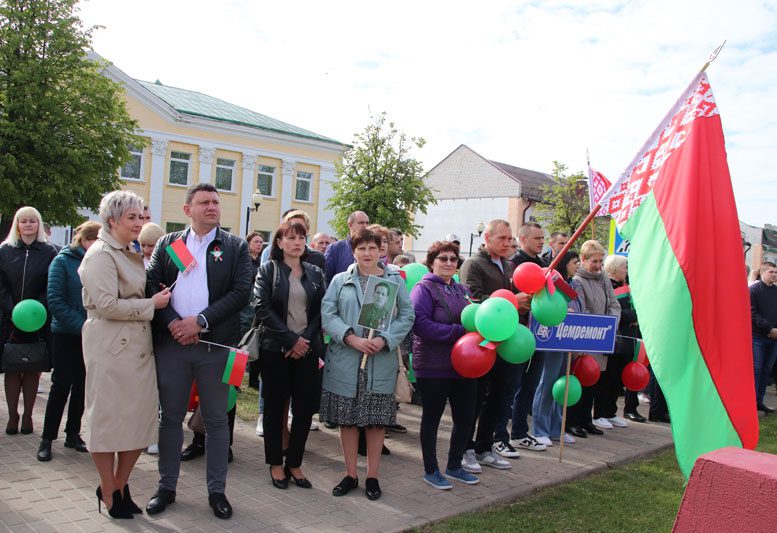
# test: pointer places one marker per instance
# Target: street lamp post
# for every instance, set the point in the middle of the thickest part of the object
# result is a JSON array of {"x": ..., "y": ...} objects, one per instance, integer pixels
[
  {"x": 472, "y": 236},
  {"x": 257, "y": 201}
]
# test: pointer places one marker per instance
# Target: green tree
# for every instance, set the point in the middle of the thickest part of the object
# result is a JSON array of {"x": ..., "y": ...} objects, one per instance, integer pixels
[
  {"x": 379, "y": 176},
  {"x": 64, "y": 127},
  {"x": 565, "y": 205}
]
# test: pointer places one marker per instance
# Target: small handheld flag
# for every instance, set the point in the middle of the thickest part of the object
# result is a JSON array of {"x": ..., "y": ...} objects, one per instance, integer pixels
[
  {"x": 180, "y": 255},
  {"x": 236, "y": 367}
]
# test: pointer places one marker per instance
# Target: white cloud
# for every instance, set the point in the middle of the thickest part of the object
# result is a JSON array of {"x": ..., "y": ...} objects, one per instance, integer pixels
[{"x": 520, "y": 82}]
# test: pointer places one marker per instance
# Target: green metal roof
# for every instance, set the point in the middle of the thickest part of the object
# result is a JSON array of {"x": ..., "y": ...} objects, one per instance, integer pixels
[{"x": 202, "y": 105}]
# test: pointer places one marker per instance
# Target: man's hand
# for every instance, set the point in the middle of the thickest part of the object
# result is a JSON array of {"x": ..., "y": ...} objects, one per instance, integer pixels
[
  {"x": 185, "y": 328},
  {"x": 524, "y": 302}
]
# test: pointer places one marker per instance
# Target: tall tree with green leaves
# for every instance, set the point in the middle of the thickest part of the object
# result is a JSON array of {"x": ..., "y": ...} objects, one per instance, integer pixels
[
  {"x": 380, "y": 177},
  {"x": 64, "y": 127},
  {"x": 565, "y": 205}
]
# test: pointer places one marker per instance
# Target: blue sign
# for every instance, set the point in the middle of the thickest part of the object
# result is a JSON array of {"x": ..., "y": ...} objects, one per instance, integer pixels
[{"x": 578, "y": 333}]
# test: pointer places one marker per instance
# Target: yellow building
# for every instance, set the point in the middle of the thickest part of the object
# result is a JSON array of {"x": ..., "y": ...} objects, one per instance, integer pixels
[{"x": 195, "y": 138}]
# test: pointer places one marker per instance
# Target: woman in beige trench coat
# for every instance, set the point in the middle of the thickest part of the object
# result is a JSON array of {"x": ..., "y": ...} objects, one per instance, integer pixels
[{"x": 121, "y": 392}]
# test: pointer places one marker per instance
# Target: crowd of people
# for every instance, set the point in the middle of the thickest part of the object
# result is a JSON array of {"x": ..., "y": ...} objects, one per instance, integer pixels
[{"x": 130, "y": 332}]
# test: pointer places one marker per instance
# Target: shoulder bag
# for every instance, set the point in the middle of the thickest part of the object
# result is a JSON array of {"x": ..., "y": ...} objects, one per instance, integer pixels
[{"x": 252, "y": 340}]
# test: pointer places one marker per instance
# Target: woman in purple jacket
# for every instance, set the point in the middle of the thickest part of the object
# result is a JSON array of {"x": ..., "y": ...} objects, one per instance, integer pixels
[{"x": 437, "y": 302}]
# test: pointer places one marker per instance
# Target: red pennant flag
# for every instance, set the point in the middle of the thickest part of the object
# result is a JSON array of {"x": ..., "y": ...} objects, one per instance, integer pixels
[{"x": 236, "y": 367}]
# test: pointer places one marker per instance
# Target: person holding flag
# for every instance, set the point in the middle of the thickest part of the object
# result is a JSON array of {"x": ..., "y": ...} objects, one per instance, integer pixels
[{"x": 210, "y": 270}]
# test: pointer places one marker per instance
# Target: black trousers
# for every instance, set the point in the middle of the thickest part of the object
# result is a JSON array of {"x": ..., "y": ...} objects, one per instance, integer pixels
[
  {"x": 580, "y": 413},
  {"x": 199, "y": 438},
  {"x": 284, "y": 379},
  {"x": 489, "y": 399},
  {"x": 609, "y": 386},
  {"x": 67, "y": 379},
  {"x": 632, "y": 402},
  {"x": 658, "y": 405},
  {"x": 436, "y": 392}
]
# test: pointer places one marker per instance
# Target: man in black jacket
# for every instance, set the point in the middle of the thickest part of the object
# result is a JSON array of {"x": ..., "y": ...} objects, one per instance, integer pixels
[
  {"x": 206, "y": 303},
  {"x": 763, "y": 309}
]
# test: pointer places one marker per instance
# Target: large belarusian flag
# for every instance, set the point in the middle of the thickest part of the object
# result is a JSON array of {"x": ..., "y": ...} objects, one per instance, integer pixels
[{"x": 675, "y": 204}]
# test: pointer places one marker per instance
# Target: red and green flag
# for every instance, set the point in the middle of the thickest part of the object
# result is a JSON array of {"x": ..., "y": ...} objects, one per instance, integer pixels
[
  {"x": 180, "y": 255},
  {"x": 675, "y": 204},
  {"x": 236, "y": 367}
]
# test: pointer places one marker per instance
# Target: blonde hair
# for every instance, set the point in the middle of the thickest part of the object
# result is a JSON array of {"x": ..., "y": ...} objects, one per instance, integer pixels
[
  {"x": 14, "y": 238},
  {"x": 298, "y": 213},
  {"x": 85, "y": 232},
  {"x": 116, "y": 203},
  {"x": 613, "y": 263},
  {"x": 382, "y": 231},
  {"x": 590, "y": 248},
  {"x": 150, "y": 233}
]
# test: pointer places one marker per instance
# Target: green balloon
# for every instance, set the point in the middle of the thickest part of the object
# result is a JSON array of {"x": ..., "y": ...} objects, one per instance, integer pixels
[
  {"x": 456, "y": 278},
  {"x": 231, "y": 397},
  {"x": 549, "y": 310},
  {"x": 519, "y": 347},
  {"x": 410, "y": 373},
  {"x": 496, "y": 319},
  {"x": 468, "y": 316},
  {"x": 575, "y": 390},
  {"x": 29, "y": 315},
  {"x": 413, "y": 274}
]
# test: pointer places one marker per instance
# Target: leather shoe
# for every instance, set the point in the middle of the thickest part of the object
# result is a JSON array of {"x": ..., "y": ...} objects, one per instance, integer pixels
[
  {"x": 282, "y": 483},
  {"x": 660, "y": 418},
  {"x": 373, "y": 488},
  {"x": 635, "y": 416},
  {"x": 44, "y": 450},
  {"x": 220, "y": 505},
  {"x": 345, "y": 486},
  {"x": 75, "y": 442},
  {"x": 301, "y": 482},
  {"x": 593, "y": 430},
  {"x": 577, "y": 431},
  {"x": 192, "y": 451},
  {"x": 765, "y": 408},
  {"x": 160, "y": 500}
]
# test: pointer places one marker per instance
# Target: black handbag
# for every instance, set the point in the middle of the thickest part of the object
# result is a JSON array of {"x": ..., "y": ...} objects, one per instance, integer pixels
[
  {"x": 252, "y": 340},
  {"x": 27, "y": 357}
]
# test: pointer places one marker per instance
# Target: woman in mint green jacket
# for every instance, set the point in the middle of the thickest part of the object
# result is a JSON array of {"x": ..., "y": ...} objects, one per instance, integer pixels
[{"x": 355, "y": 397}]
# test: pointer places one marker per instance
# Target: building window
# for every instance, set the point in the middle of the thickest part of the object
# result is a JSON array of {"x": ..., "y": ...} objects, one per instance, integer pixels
[
  {"x": 265, "y": 178},
  {"x": 304, "y": 186},
  {"x": 175, "y": 226},
  {"x": 225, "y": 169},
  {"x": 132, "y": 169},
  {"x": 179, "y": 168}
]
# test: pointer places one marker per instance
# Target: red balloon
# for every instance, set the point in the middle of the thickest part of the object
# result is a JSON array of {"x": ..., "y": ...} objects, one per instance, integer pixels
[
  {"x": 529, "y": 278},
  {"x": 635, "y": 376},
  {"x": 586, "y": 370},
  {"x": 507, "y": 295},
  {"x": 470, "y": 359}
]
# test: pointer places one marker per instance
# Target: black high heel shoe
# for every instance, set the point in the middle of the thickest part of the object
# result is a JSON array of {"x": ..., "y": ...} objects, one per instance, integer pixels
[
  {"x": 129, "y": 505},
  {"x": 301, "y": 482},
  {"x": 279, "y": 483},
  {"x": 117, "y": 509}
]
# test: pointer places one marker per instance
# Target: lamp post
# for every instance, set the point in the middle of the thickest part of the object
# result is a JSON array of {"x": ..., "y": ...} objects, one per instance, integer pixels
[
  {"x": 472, "y": 236},
  {"x": 256, "y": 198}
]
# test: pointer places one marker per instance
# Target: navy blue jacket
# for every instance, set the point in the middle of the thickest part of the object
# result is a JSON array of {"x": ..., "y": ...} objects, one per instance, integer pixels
[{"x": 64, "y": 292}]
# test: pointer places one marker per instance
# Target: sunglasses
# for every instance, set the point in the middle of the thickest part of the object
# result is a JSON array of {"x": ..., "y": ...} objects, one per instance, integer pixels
[{"x": 447, "y": 258}]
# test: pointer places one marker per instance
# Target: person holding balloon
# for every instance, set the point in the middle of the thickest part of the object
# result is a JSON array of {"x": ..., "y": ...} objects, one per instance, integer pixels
[
  {"x": 438, "y": 301},
  {"x": 25, "y": 256}
]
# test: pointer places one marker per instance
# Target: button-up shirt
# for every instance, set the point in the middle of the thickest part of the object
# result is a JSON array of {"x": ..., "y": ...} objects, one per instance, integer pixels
[{"x": 190, "y": 294}]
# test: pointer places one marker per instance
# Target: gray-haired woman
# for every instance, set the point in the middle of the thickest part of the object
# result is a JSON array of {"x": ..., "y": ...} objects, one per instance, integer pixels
[{"x": 121, "y": 391}]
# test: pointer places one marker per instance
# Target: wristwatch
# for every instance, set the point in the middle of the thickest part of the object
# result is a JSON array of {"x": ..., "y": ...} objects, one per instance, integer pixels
[{"x": 202, "y": 322}]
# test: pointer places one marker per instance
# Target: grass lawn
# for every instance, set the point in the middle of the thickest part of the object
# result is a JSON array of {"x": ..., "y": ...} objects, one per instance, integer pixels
[
  {"x": 643, "y": 496},
  {"x": 247, "y": 402}
]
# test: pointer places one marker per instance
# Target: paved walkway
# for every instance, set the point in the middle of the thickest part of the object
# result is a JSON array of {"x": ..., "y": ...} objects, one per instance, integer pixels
[{"x": 59, "y": 495}]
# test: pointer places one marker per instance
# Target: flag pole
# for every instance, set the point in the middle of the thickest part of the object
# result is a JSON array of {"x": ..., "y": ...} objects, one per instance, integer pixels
[
  {"x": 564, "y": 409},
  {"x": 573, "y": 238}
]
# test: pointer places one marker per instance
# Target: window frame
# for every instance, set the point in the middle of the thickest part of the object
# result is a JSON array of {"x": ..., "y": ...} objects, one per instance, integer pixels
[
  {"x": 259, "y": 172},
  {"x": 310, "y": 186},
  {"x": 134, "y": 151},
  {"x": 227, "y": 167},
  {"x": 179, "y": 160}
]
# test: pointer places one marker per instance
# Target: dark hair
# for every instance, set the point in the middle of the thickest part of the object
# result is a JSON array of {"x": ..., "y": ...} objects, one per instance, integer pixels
[
  {"x": 562, "y": 265},
  {"x": 437, "y": 248},
  {"x": 253, "y": 234},
  {"x": 381, "y": 284},
  {"x": 292, "y": 227},
  {"x": 194, "y": 189},
  {"x": 365, "y": 236}
]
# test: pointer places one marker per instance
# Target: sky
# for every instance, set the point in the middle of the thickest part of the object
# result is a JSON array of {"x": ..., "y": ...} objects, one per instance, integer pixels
[{"x": 520, "y": 82}]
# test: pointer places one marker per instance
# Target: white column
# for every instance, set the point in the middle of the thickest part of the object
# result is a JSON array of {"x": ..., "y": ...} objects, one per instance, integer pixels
[
  {"x": 248, "y": 188},
  {"x": 157, "y": 186},
  {"x": 287, "y": 180},
  {"x": 325, "y": 192},
  {"x": 206, "y": 163}
]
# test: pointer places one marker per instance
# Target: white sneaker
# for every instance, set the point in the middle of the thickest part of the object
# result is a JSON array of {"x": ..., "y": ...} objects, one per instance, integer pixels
[
  {"x": 313, "y": 425},
  {"x": 153, "y": 449},
  {"x": 505, "y": 449},
  {"x": 602, "y": 423},
  {"x": 260, "y": 426},
  {"x": 528, "y": 443},
  {"x": 568, "y": 439},
  {"x": 493, "y": 460},
  {"x": 618, "y": 422},
  {"x": 544, "y": 441},
  {"x": 470, "y": 463}
]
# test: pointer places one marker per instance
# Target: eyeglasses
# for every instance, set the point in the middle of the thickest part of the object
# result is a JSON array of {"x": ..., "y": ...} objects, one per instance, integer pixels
[{"x": 447, "y": 258}]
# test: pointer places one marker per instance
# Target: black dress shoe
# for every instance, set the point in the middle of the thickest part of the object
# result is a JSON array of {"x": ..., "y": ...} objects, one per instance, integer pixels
[
  {"x": 635, "y": 416},
  {"x": 765, "y": 408},
  {"x": 280, "y": 483},
  {"x": 192, "y": 451},
  {"x": 75, "y": 442},
  {"x": 577, "y": 431},
  {"x": 593, "y": 430},
  {"x": 345, "y": 486},
  {"x": 44, "y": 450},
  {"x": 660, "y": 418},
  {"x": 373, "y": 488},
  {"x": 301, "y": 482},
  {"x": 220, "y": 505},
  {"x": 160, "y": 500}
]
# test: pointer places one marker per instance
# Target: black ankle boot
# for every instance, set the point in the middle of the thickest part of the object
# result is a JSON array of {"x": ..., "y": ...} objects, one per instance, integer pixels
[
  {"x": 117, "y": 509},
  {"x": 129, "y": 505}
]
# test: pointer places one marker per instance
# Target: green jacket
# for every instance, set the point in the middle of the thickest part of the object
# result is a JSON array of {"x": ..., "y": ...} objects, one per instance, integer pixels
[{"x": 340, "y": 312}]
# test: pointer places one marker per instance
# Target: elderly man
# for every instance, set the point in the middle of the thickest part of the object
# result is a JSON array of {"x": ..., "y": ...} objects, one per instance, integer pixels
[
  {"x": 205, "y": 305},
  {"x": 339, "y": 255},
  {"x": 320, "y": 242}
]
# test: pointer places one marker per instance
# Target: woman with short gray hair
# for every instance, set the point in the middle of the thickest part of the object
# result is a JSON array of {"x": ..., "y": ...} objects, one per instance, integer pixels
[{"x": 121, "y": 391}]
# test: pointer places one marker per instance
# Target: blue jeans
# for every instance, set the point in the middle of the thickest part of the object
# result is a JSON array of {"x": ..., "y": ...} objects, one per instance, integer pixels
[
  {"x": 546, "y": 412},
  {"x": 764, "y": 356}
]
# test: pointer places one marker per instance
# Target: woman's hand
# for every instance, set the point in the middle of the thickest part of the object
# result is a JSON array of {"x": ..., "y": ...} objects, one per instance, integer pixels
[
  {"x": 377, "y": 343},
  {"x": 300, "y": 348},
  {"x": 161, "y": 299},
  {"x": 360, "y": 344}
]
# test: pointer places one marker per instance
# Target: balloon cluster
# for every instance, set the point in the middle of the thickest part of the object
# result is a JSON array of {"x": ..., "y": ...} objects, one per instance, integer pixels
[{"x": 29, "y": 315}]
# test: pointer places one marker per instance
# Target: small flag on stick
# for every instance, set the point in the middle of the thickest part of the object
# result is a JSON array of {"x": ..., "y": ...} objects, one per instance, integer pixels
[
  {"x": 180, "y": 255},
  {"x": 236, "y": 367}
]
